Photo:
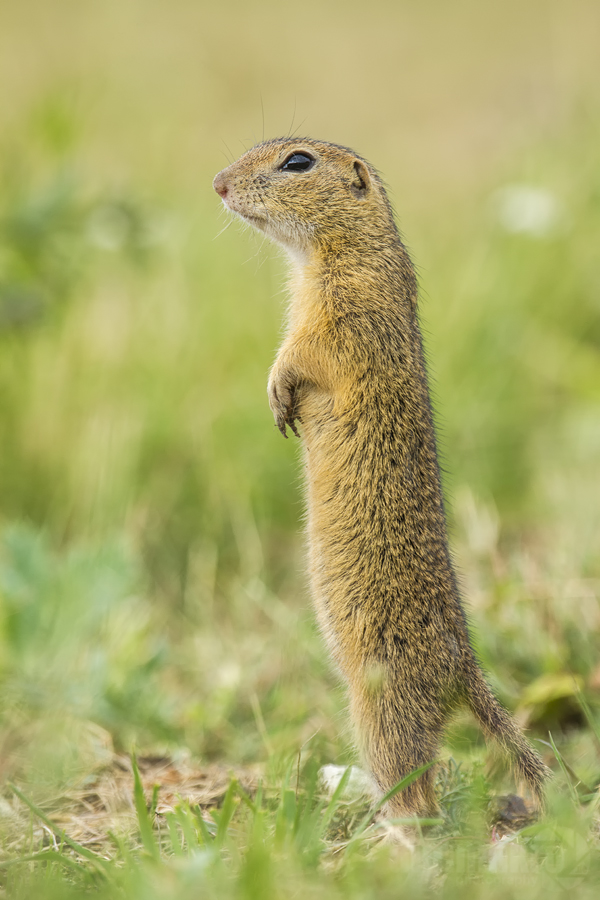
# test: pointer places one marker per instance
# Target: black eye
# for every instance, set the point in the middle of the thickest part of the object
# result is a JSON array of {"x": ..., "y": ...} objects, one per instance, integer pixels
[{"x": 298, "y": 162}]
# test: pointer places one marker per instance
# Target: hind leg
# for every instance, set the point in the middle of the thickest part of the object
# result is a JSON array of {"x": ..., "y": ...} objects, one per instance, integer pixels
[{"x": 396, "y": 738}]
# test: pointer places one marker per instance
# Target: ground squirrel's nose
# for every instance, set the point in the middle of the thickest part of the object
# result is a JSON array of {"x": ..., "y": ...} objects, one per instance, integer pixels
[{"x": 220, "y": 185}]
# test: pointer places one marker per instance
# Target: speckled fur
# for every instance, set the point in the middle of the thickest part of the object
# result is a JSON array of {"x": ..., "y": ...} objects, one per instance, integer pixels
[{"x": 351, "y": 371}]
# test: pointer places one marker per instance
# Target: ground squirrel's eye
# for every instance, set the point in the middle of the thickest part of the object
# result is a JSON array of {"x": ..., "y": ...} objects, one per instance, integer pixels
[{"x": 298, "y": 162}]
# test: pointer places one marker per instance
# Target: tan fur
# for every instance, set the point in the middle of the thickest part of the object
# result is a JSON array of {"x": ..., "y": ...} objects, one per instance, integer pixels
[{"x": 351, "y": 371}]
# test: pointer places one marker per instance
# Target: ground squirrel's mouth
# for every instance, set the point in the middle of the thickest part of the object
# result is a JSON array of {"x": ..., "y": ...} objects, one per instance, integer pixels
[
  {"x": 258, "y": 219},
  {"x": 255, "y": 217}
]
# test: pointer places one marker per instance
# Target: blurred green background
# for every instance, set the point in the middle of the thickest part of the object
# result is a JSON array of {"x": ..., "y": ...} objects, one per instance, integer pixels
[{"x": 152, "y": 590}]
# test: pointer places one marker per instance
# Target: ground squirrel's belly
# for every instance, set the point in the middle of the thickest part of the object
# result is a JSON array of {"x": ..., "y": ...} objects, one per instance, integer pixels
[{"x": 380, "y": 573}]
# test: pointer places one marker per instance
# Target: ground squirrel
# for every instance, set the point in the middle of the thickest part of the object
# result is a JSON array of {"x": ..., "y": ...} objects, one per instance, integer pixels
[{"x": 351, "y": 371}]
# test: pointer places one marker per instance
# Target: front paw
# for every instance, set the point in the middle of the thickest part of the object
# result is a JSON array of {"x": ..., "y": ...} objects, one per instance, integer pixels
[{"x": 282, "y": 391}]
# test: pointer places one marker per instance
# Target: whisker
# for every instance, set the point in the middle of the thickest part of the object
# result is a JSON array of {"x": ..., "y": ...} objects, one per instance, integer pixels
[
  {"x": 295, "y": 132},
  {"x": 289, "y": 134},
  {"x": 225, "y": 227}
]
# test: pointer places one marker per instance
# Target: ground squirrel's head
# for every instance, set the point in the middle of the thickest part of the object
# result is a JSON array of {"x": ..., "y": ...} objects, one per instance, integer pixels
[{"x": 307, "y": 194}]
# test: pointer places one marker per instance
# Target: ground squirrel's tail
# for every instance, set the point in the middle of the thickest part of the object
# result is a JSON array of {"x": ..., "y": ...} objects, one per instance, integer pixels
[{"x": 498, "y": 725}]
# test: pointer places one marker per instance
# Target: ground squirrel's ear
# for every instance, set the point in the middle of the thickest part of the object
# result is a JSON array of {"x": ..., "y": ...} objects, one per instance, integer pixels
[{"x": 361, "y": 182}]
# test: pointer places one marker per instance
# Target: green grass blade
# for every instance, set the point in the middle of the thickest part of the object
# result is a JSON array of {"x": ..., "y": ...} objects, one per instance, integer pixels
[
  {"x": 284, "y": 808},
  {"x": 122, "y": 847},
  {"x": 154, "y": 801},
  {"x": 190, "y": 827},
  {"x": 570, "y": 776},
  {"x": 205, "y": 832},
  {"x": 98, "y": 861},
  {"x": 335, "y": 801},
  {"x": 404, "y": 783},
  {"x": 226, "y": 813},
  {"x": 246, "y": 799},
  {"x": 174, "y": 836},
  {"x": 43, "y": 856},
  {"x": 589, "y": 717},
  {"x": 144, "y": 821}
]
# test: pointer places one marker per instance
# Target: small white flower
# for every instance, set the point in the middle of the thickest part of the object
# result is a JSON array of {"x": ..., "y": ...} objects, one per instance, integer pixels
[
  {"x": 524, "y": 209},
  {"x": 360, "y": 783},
  {"x": 229, "y": 674}
]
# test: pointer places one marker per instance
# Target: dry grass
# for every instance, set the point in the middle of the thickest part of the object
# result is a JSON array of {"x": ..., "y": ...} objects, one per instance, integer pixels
[{"x": 102, "y": 805}]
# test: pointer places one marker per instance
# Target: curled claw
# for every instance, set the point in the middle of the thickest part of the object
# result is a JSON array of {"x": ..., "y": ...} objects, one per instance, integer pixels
[
  {"x": 291, "y": 421},
  {"x": 281, "y": 424},
  {"x": 284, "y": 417},
  {"x": 283, "y": 405}
]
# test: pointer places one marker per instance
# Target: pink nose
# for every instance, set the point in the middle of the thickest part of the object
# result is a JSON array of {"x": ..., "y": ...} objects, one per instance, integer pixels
[{"x": 220, "y": 185}]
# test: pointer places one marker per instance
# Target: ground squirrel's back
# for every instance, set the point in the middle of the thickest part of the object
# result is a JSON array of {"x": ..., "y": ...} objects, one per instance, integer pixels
[{"x": 351, "y": 370}]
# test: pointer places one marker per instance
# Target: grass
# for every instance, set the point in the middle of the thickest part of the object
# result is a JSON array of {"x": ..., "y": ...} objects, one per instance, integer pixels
[
  {"x": 271, "y": 843},
  {"x": 152, "y": 591}
]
